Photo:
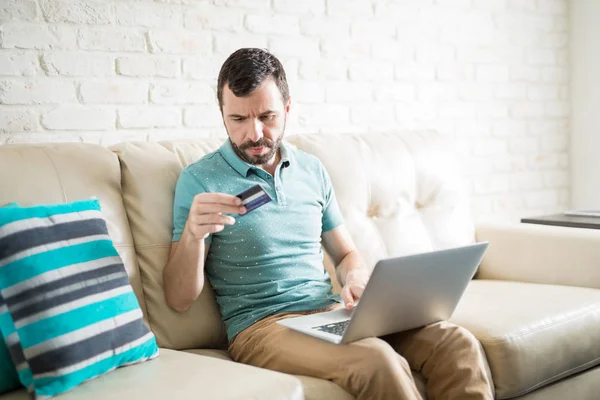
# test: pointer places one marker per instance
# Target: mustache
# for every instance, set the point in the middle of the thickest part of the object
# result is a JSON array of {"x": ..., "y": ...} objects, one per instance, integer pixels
[{"x": 261, "y": 142}]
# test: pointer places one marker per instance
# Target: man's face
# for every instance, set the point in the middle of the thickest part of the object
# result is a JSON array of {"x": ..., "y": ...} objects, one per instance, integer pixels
[{"x": 255, "y": 123}]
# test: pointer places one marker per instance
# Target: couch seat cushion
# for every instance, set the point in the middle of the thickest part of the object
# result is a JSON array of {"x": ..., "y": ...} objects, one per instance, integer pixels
[
  {"x": 179, "y": 375},
  {"x": 532, "y": 334},
  {"x": 314, "y": 388}
]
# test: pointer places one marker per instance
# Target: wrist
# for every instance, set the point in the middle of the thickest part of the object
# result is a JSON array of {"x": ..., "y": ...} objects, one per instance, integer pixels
[
  {"x": 356, "y": 274},
  {"x": 192, "y": 238}
]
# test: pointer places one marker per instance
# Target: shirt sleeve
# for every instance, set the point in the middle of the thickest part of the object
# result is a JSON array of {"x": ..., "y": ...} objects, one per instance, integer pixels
[
  {"x": 332, "y": 217},
  {"x": 187, "y": 187}
]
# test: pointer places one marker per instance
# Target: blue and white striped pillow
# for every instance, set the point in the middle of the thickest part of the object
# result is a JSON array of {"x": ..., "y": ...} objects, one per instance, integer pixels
[
  {"x": 9, "y": 379},
  {"x": 73, "y": 311}
]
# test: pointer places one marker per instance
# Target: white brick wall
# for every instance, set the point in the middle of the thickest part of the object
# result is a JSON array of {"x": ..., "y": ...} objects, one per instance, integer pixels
[{"x": 492, "y": 74}]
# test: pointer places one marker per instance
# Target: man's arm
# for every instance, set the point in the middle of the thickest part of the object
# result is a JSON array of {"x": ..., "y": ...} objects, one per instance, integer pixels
[
  {"x": 350, "y": 269},
  {"x": 183, "y": 276}
]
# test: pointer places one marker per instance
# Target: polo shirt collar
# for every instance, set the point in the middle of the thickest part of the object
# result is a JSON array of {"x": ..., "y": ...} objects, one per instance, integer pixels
[{"x": 243, "y": 167}]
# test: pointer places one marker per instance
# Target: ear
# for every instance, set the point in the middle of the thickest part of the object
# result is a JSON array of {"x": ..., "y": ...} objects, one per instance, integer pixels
[{"x": 288, "y": 105}]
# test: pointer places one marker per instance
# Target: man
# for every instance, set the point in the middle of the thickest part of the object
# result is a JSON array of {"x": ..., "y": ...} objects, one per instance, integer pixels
[{"x": 267, "y": 265}]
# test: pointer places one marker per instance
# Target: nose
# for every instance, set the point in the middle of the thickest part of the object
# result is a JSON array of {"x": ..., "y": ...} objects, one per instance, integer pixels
[{"x": 256, "y": 131}]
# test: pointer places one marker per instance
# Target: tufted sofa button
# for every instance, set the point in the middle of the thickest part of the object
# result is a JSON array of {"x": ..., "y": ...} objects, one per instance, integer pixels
[{"x": 374, "y": 211}]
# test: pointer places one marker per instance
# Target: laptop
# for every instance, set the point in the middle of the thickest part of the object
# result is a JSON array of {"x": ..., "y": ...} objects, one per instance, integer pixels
[{"x": 403, "y": 293}]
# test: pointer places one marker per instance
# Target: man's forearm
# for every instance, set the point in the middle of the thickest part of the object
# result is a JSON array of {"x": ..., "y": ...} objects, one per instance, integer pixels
[
  {"x": 351, "y": 262},
  {"x": 183, "y": 276}
]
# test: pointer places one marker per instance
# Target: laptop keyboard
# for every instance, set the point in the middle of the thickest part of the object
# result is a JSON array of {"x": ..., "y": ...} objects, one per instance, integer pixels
[{"x": 337, "y": 328}]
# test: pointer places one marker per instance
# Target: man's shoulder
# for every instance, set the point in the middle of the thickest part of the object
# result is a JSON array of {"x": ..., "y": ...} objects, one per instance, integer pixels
[
  {"x": 208, "y": 161},
  {"x": 202, "y": 171}
]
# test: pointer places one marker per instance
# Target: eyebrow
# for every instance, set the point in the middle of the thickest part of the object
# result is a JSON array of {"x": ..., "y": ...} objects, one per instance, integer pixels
[{"x": 245, "y": 116}]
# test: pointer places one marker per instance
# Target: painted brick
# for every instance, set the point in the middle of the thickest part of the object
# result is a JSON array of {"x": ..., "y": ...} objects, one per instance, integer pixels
[
  {"x": 370, "y": 113},
  {"x": 324, "y": 27},
  {"x": 70, "y": 63},
  {"x": 14, "y": 120},
  {"x": 395, "y": 92},
  {"x": 203, "y": 68},
  {"x": 322, "y": 115},
  {"x": 37, "y": 92},
  {"x": 79, "y": 12},
  {"x": 309, "y": 93},
  {"x": 323, "y": 69},
  {"x": 352, "y": 8},
  {"x": 207, "y": 16},
  {"x": 23, "y": 10},
  {"x": 79, "y": 118},
  {"x": 273, "y": 24},
  {"x": 153, "y": 15},
  {"x": 112, "y": 39},
  {"x": 180, "y": 42},
  {"x": 182, "y": 93},
  {"x": 371, "y": 71},
  {"x": 492, "y": 73},
  {"x": 19, "y": 64},
  {"x": 245, "y": 4},
  {"x": 375, "y": 29},
  {"x": 226, "y": 43},
  {"x": 527, "y": 109},
  {"x": 117, "y": 91},
  {"x": 38, "y": 37},
  {"x": 144, "y": 66},
  {"x": 203, "y": 116},
  {"x": 315, "y": 7},
  {"x": 149, "y": 117},
  {"x": 354, "y": 49},
  {"x": 283, "y": 46},
  {"x": 348, "y": 92},
  {"x": 414, "y": 72}
]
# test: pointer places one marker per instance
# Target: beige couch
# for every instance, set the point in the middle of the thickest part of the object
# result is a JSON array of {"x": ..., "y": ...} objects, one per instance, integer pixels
[{"x": 534, "y": 305}]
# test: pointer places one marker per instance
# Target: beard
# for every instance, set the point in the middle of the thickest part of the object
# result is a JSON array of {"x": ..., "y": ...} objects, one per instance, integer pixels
[{"x": 260, "y": 159}]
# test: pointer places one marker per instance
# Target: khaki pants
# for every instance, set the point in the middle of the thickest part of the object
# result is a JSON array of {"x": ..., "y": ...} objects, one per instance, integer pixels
[{"x": 449, "y": 358}]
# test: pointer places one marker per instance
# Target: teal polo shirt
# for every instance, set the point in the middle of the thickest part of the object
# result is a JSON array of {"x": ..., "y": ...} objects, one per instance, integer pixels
[{"x": 270, "y": 261}]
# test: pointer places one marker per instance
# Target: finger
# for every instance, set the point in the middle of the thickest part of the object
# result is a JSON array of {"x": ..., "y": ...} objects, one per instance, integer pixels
[
  {"x": 357, "y": 291},
  {"x": 215, "y": 228},
  {"x": 209, "y": 219},
  {"x": 209, "y": 208},
  {"x": 347, "y": 297},
  {"x": 203, "y": 230},
  {"x": 219, "y": 198}
]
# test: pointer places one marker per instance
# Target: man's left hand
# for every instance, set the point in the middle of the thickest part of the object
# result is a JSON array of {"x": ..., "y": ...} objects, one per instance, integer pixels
[{"x": 356, "y": 280}]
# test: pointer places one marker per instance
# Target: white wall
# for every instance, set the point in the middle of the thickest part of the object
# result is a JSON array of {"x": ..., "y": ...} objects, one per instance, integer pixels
[
  {"x": 585, "y": 100},
  {"x": 493, "y": 74}
]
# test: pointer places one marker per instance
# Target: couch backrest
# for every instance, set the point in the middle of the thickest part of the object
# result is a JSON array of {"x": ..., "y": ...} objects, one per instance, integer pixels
[
  {"x": 64, "y": 172},
  {"x": 399, "y": 194}
]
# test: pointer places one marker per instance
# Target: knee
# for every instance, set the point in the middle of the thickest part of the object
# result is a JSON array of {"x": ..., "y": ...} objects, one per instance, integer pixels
[
  {"x": 377, "y": 369},
  {"x": 462, "y": 337},
  {"x": 380, "y": 358}
]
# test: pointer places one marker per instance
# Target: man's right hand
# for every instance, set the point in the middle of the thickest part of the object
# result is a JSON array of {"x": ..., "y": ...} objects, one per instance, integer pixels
[{"x": 206, "y": 217}]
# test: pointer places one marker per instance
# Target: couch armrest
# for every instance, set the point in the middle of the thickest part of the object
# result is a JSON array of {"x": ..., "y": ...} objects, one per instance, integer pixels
[
  {"x": 541, "y": 254},
  {"x": 179, "y": 375}
]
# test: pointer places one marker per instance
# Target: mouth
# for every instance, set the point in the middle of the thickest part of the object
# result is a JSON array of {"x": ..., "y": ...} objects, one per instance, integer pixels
[{"x": 256, "y": 150}]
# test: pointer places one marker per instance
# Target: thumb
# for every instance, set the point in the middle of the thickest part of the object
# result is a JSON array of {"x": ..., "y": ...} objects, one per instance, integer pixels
[{"x": 347, "y": 297}]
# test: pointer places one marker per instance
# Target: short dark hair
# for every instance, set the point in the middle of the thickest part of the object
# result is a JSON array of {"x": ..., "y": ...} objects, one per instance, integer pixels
[{"x": 246, "y": 69}]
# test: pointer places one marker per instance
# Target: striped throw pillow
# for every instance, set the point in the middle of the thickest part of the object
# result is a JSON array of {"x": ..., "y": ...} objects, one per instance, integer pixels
[
  {"x": 9, "y": 379},
  {"x": 73, "y": 314}
]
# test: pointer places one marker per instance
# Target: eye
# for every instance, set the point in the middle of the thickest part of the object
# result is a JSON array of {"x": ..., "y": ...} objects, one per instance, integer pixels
[{"x": 267, "y": 117}]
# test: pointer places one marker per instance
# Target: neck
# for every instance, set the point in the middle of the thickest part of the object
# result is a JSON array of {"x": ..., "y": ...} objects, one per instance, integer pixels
[{"x": 272, "y": 163}]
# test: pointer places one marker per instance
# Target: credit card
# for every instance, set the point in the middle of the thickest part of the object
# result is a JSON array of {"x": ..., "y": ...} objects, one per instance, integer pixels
[{"x": 254, "y": 197}]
